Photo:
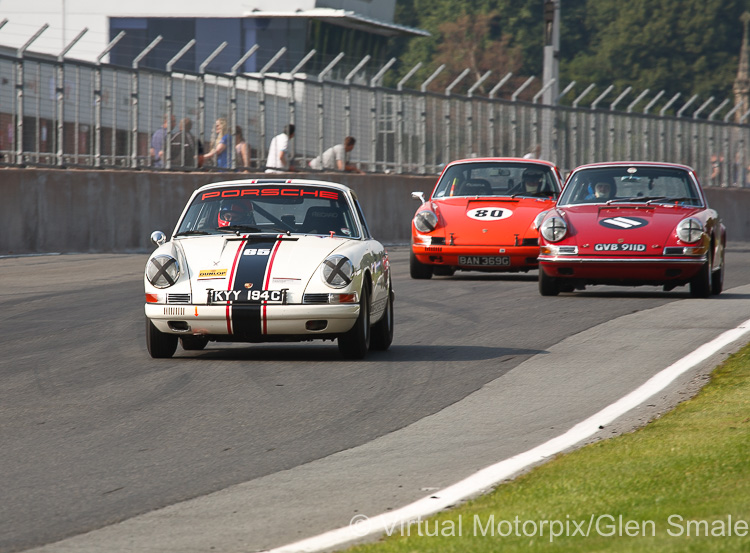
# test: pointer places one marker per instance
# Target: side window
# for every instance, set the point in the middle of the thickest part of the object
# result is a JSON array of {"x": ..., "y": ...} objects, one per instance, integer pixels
[{"x": 365, "y": 228}]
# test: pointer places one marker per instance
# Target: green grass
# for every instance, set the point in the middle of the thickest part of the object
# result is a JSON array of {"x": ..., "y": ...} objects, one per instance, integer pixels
[{"x": 692, "y": 465}]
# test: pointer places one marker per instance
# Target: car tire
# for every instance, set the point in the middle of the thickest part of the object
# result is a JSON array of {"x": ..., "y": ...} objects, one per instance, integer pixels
[
  {"x": 700, "y": 285},
  {"x": 548, "y": 286},
  {"x": 417, "y": 270},
  {"x": 382, "y": 331},
  {"x": 717, "y": 279},
  {"x": 193, "y": 342},
  {"x": 159, "y": 344},
  {"x": 355, "y": 343}
]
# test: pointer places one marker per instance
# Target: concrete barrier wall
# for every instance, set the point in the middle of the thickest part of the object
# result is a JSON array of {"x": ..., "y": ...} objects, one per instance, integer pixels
[{"x": 44, "y": 211}]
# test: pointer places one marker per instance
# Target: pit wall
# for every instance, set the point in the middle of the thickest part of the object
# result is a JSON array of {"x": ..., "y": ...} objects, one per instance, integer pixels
[{"x": 65, "y": 211}]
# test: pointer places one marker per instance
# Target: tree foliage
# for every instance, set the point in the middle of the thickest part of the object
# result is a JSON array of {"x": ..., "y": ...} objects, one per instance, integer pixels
[{"x": 686, "y": 46}]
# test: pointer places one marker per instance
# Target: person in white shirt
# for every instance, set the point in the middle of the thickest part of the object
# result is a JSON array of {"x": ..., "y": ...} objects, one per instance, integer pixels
[
  {"x": 278, "y": 155},
  {"x": 336, "y": 158}
]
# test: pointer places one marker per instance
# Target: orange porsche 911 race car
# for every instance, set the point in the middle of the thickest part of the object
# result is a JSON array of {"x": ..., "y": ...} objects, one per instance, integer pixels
[{"x": 481, "y": 215}]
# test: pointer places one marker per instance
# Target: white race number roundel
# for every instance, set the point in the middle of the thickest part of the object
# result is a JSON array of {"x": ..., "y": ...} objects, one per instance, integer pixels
[{"x": 489, "y": 213}]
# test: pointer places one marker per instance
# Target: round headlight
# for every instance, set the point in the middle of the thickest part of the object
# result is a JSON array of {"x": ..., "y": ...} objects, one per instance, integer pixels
[
  {"x": 538, "y": 220},
  {"x": 554, "y": 229},
  {"x": 337, "y": 271},
  {"x": 689, "y": 230},
  {"x": 162, "y": 271},
  {"x": 425, "y": 221}
]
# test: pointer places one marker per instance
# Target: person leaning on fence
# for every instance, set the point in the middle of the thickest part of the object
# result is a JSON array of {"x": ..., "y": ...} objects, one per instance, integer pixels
[
  {"x": 159, "y": 140},
  {"x": 220, "y": 147},
  {"x": 182, "y": 148},
  {"x": 336, "y": 158},
  {"x": 278, "y": 151}
]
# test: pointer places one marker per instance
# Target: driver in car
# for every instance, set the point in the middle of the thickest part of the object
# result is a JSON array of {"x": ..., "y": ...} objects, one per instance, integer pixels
[{"x": 235, "y": 213}]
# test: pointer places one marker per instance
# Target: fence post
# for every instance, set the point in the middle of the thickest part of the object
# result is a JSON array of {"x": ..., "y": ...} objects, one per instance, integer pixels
[
  {"x": 170, "y": 107},
  {"x": 134, "y": 126},
  {"x": 202, "y": 89},
  {"x": 423, "y": 120},
  {"x": 19, "y": 93},
  {"x": 400, "y": 118},
  {"x": 348, "y": 103},
  {"x": 60, "y": 90},
  {"x": 514, "y": 122},
  {"x": 292, "y": 97},
  {"x": 491, "y": 96},
  {"x": 321, "y": 100},
  {"x": 470, "y": 111},
  {"x": 535, "y": 124},
  {"x": 629, "y": 130},
  {"x": 579, "y": 98},
  {"x": 375, "y": 82},
  {"x": 233, "y": 90},
  {"x": 592, "y": 115},
  {"x": 447, "y": 114}
]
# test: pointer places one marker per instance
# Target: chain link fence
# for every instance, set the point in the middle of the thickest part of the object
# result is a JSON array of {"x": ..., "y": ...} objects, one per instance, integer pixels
[{"x": 72, "y": 113}]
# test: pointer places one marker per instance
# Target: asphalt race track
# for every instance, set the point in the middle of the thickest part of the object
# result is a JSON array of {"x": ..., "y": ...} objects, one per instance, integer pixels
[{"x": 250, "y": 447}]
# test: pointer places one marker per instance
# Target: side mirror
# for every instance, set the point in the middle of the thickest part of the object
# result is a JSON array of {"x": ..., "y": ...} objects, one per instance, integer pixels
[
  {"x": 158, "y": 237},
  {"x": 419, "y": 196}
]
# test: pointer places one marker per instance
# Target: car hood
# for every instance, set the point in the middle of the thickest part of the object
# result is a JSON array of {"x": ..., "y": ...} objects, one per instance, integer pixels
[
  {"x": 650, "y": 225},
  {"x": 258, "y": 262},
  {"x": 501, "y": 221}
]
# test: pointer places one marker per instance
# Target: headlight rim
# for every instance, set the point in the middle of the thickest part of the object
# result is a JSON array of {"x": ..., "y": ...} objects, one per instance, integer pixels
[
  {"x": 699, "y": 229},
  {"x": 337, "y": 275},
  {"x": 551, "y": 234},
  {"x": 425, "y": 226},
  {"x": 172, "y": 265}
]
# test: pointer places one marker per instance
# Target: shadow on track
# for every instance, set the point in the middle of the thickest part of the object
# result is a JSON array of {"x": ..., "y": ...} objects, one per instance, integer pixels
[{"x": 307, "y": 353}]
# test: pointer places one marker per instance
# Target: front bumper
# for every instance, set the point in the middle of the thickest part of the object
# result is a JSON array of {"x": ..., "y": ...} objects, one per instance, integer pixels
[
  {"x": 253, "y": 322},
  {"x": 521, "y": 257},
  {"x": 656, "y": 269}
]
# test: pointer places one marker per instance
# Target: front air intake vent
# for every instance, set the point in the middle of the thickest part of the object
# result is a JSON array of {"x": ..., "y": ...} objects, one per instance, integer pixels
[
  {"x": 315, "y": 298},
  {"x": 178, "y": 298}
]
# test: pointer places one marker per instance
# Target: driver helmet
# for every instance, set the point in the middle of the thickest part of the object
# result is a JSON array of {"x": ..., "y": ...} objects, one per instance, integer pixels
[
  {"x": 532, "y": 177},
  {"x": 232, "y": 213}
]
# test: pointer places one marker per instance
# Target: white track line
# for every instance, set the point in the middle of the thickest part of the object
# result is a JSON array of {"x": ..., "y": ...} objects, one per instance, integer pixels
[{"x": 486, "y": 478}]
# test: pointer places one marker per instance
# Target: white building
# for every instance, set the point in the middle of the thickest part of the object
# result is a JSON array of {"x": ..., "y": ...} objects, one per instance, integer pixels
[{"x": 355, "y": 27}]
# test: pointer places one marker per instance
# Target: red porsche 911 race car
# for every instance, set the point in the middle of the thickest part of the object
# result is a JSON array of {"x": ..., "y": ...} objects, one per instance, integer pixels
[
  {"x": 632, "y": 223},
  {"x": 480, "y": 217}
]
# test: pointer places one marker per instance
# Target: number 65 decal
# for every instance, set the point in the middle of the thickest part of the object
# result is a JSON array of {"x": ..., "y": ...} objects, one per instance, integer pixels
[
  {"x": 254, "y": 251},
  {"x": 489, "y": 213}
]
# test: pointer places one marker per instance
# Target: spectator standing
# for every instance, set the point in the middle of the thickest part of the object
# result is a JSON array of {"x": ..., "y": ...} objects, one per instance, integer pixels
[
  {"x": 220, "y": 148},
  {"x": 159, "y": 140},
  {"x": 336, "y": 158},
  {"x": 242, "y": 148},
  {"x": 183, "y": 146},
  {"x": 278, "y": 154}
]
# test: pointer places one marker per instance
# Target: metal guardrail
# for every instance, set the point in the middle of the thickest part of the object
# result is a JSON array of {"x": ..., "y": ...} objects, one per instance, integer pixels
[{"x": 59, "y": 112}]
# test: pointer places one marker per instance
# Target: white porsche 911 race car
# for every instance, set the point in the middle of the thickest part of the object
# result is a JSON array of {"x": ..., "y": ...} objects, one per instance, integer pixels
[{"x": 266, "y": 261}]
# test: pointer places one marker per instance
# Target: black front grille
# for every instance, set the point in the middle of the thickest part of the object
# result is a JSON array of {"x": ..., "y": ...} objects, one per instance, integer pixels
[
  {"x": 530, "y": 242},
  {"x": 178, "y": 298},
  {"x": 315, "y": 298}
]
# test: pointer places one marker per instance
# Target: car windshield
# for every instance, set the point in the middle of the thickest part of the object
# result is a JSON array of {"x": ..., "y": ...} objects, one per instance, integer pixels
[
  {"x": 493, "y": 178},
  {"x": 270, "y": 208},
  {"x": 631, "y": 184}
]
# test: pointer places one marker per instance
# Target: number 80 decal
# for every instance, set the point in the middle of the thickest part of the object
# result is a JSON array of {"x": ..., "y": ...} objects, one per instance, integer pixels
[{"x": 489, "y": 213}]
